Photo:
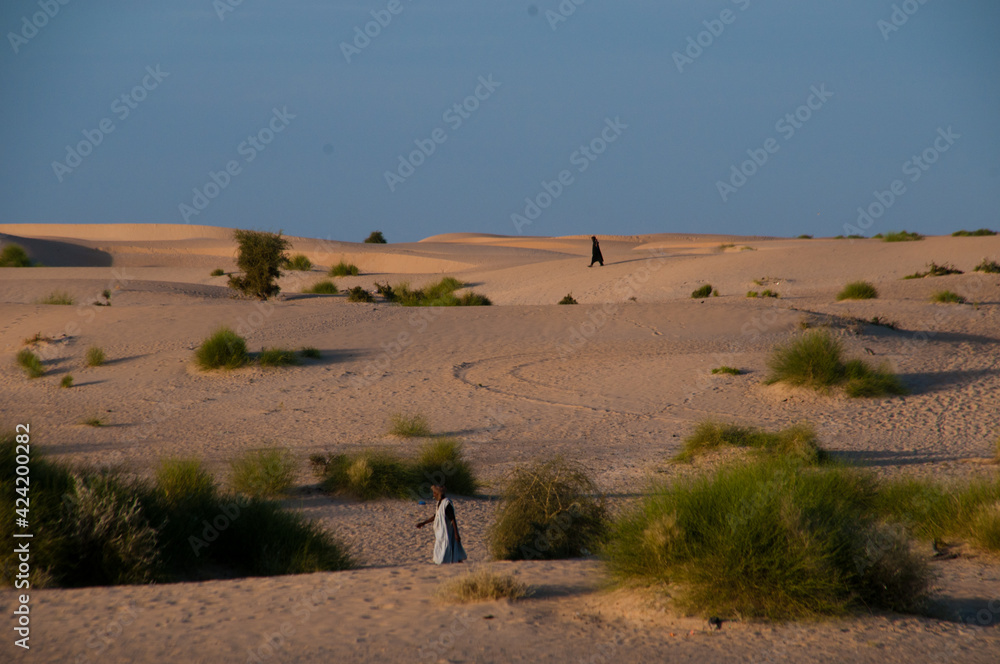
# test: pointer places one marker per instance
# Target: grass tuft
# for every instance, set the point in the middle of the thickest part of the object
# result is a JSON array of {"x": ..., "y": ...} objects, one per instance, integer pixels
[
  {"x": 57, "y": 297},
  {"x": 769, "y": 293},
  {"x": 988, "y": 266},
  {"x": 976, "y": 233},
  {"x": 299, "y": 263},
  {"x": 263, "y": 473},
  {"x": 67, "y": 381},
  {"x": 95, "y": 356},
  {"x": 934, "y": 270},
  {"x": 441, "y": 462},
  {"x": 343, "y": 269},
  {"x": 310, "y": 352},
  {"x": 804, "y": 237},
  {"x": 92, "y": 422},
  {"x": 218, "y": 272},
  {"x": 483, "y": 585},
  {"x": 858, "y": 290},
  {"x": 325, "y": 287},
  {"x": 947, "y": 296},
  {"x": 440, "y": 294},
  {"x": 727, "y": 370},
  {"x": 703, "y": 291},
  {"x": 902, "y": 236},
  {"x": 277, "y": 357},
  {"x": 31, "y": 363},
  {"x": 409, "y": 426},
  {"x": 796, "y": 442},
  {"x": 224, "y": 349},
  {"x": 359, "y": 294}
]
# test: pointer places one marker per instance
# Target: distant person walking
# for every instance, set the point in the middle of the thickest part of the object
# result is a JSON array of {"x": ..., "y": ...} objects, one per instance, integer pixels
[
  {"x": 595, "y": 254},
  {"x": 447, "y": 541}
]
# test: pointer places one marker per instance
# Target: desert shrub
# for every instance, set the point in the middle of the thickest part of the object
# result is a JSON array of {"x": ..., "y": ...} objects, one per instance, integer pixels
[
  {"x": 703, "y": 291},
  {"x": 902, "y": 236},
  {"x": 548, "y": 509},
  {"x": 988, "y": 266},
  {"x": 184, "y": 479},
  {"x": 343, "y": 269},
  {"x": 858, "y": 290},
  {"x": 409, "y": 426},
  {"x": 725, "y": 245},
  {"x": 767, "y": 293},
  {"x": 259, "y": 256},
  {"x": 986, "y": 527},
  {"x": 95, "y": 422},
  {"x": 849, "y": 237},
  {"x": 752, "y": 293},
  {"x": 946, "y": 297},
  {"x": 359, "y": 294},
  {"x": 934, "y": 270},
  {"x": 441, "y": 462},
  {"x": 367, "y": 475},
  {"x": 804, "y": 237},
  {"x": 325, "y": 287},
  {"x": 568, "y": 300},
  {"x": 796, "y": 442},
  {"x": 976, "y": 233},
  {"x": 483, "y": 585},
  {"x": 277, "y": 357},
  {"x": 386, "y": 291},
  {"x": 299, "y": 263},
  {"x": 865, "y": 381},
  {"x": 95, "y": 356},
  {"x": 67, "y": 381},
  {"x": 31, "y": 363},
  {"x": 263, "y": 473},
  {"x": 375, "y": 237},
  {"x": 224, "y": 349},
  {"x": 727, "y": 370},
  {"x": 767, "y": 539},
  {"x": 57, "y": 297},
  {"x": 440, "y": 294},
  {"x": 218, "y": 272},
  {"x": 14, "y": 255},
  {"x": 310, "y": 352},
  {"x": 471, "y": 299}
]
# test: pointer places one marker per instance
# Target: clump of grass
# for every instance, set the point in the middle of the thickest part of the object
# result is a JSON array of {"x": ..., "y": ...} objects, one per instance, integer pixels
[
  {"x": 568, "y": 299},
  {"x": 359, "y": 294},
  {"x": 184, "y": 479},
  {"x": 988, "y": 266},
  {"x": 14, "y": 255},
  {"x": 849, "y": 237},
  {"x": 726, "y": 370},
  {"x": 376, "y": 237},
  {"x": 310, "y": 352},
  {"x": 31, "y": 363},
  {"x": 902, "y": 236},
  {"x": 814, "y": 360},
  {"x": 769, "y": 293},
  {"x": 95, "y": 356},
  {"x": 263, "y": 473},
  {"x": 224, "y": 349},
  {"x": 441, "y": 462},
  {"x": 797, "y": 442},
  {"x": 767, "y": 540},
  {"x": 409, "y": 426},
  {"x": 218, "y": 272},
  {"x": 858, "y": 290},
  {"x": 92, "y": 422},
  {"x": 483, "y": 585},
  {"x": 67, "y": 381},
  {"x": 299, "y": 263},
  {"x": 57, "y": 297},
  {"x": 753, "y": 293},
  {"x": 976, "y": 233},
  {"x": 986, "y": 527},
  {"x": 703, "y": 291},
  {"x": 804, "y": 237},
  {"x": 946, "y": 297},
  {"x": 325, "y": 287},
  {"x": 934, "y": 270},
  {"x": 277, "y": 357},
  {"x": 343, "y": 269},
  {"x": 724, "y": 246},
  {"x": 439, "y": 294},
  {"x": 746, "y": 248},
  {"x": 548, "y": 509}
]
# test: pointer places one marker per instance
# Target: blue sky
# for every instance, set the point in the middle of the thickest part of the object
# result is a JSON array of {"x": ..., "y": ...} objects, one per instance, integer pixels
[{"x": 278, "y": 72}]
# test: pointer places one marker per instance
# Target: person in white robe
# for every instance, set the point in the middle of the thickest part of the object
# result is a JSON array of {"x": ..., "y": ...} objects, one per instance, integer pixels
[{"x": 447, "y": 540}]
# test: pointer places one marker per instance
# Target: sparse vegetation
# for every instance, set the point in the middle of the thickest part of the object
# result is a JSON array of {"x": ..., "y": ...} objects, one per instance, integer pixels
[
  {"x": 409, "y": 426},
  {"x": 376, "y": 237},
  {"x": 224, "y": 349},
  {"x": 568, "y": 300},
  {"x": 31, "y": 363},
  {"x": 752, "y": 293},
  {"x": 769, "y": 540},
  {"x": 858, "y": 290},
  {"x": 277, "y": 357},
  {"x": 976, "y": 233},
  {"x": 988, "y": 266},
  {"x": 359, "y": 294},
  {"x": 310, "y": 352},
  {"x": 298, "y": 263},
  {"x": 934, "y": 270},
  {"x": 767, "y": 292},
  {"x": 95, "y": 356},
  {"x": 57, "y": 297},
  {"x": 92, "y": 422},
  {"x": 343, "y": 269},
  {"x": 440, "y": 294},
  {"x": 14, "y": 255},
  {"x": 259, "y": 256},
  {"x": 727, "y": 370},
  {"x": 797, "y": 442},
  {"x": 804, "y": 237},
  {"x": 724, "y": 246},
  {"x": 67, "y": 381},
  {"x": 947, "y": 297},
  {"x": 324, "y": 287},
  {"x": 548, "y": 509},
  {"x": 849, "y": 237},
  {"x": 483, "y": 585},
  {"x": 218, "y": 272},
  {"x": 263, "y": 473},
  {"x": 703, "y": 291},
  {"x": 901, "y": 236}
]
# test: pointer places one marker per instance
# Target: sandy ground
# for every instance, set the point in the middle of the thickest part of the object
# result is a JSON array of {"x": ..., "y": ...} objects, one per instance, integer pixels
[{"x": 615, "y": 382}]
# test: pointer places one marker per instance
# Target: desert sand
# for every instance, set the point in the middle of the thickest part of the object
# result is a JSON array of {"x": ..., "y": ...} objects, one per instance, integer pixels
[{"x": 615, "y": 382}]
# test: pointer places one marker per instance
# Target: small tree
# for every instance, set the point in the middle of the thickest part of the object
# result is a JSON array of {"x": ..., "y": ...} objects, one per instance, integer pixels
[
  {"x": 375, "y": 238},
  {"x": 259, "y": 256}
]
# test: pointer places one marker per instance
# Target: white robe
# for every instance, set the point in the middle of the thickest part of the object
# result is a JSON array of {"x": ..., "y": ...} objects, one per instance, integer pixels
[{"x": 446, "y": 549}]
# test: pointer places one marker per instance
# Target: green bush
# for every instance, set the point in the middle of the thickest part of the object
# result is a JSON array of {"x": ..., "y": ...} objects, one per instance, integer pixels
[
  {"x": 752, "y": 293},
  {"x": 67, "y": 381},
  {"x": 224, "y": 349},
  {"x": 986, "y": 527},
  {"x": 299, "y": 263},
  {"x": 976, "y": 233},
  {"x": 703, "y": 291},
  {"x": 441, "y": 462},
  {"x": 865, "y": 381},
  {"x": 548, "y": 509},
  {"x": 946, "y": 296},
  {"x": 277, "y": 357},
  {"x": 184, "y": 479},
  {"x": 57, "y": 297},
  {"x": 359, "y": 294},
  {"x": 727, "y": 370},
  {"x": 343, "y": 269},
  {"x": 218, "y": 272},
  {"x": 14, "y": 255},
  {"x": 95, "y": 356},
  {"x": 769, "y": 293},
  {"x": 376, "y": 237},
  {"x": 988, "y": 266},
  {"x": 263, "y": 473},
  {"x": 440, "y": 294},
  {"x": 409, "y": 426},
  {"x": 769, "y": 540},
  {"x": 796, "y": 442},
  {"x": 902, "y": 236},
  {"x": 858, "y": 290},
  {"x": 568, "y": 300},
  {"x": 31, "y": 363},
  {"x": 322, "y": 288},
  {"x": 934, "y": 270},
  {"x": 259, "y": 256},
  {"x": 804, "y": 237}
]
